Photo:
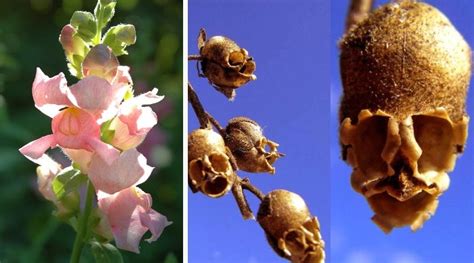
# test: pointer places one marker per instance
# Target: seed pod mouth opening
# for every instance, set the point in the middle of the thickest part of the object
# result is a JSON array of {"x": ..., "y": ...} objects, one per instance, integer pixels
[
  {"x": 237, "y": 58},
  {"x": 216, "y": 187},
  {"x": 390, "y": 212},
  {"x": 248, "y": 68},
  {"x": 401, "y": 166}
]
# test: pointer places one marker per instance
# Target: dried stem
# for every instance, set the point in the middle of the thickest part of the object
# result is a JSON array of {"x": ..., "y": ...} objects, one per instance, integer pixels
[
  {"x": 254, "y": 190},
  {"x": 194, "y": 57},
  {"x": 358, "y": 10},
  {"x": 198, "y": 108},
  {"x": 216, "y": 124},
  {"x": 239, "y": 196}
]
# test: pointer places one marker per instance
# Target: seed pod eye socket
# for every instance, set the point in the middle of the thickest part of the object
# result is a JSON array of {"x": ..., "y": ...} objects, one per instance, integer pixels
[
  {"x": 216, "y": 187},
  {"x": 237, "y": 58}
]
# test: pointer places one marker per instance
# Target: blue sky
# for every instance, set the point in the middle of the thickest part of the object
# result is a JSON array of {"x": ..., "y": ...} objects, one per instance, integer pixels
[
  {"x": 447, "y": 236},
  {"x": 290, "y": 100}
]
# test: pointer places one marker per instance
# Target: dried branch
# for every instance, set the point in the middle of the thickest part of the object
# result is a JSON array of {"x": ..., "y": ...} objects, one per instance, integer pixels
[
  {"x": 198, "y": 108},
  {"x": 216, "y": 124},
  {"x": 239, "y": 196},
  {"x": 358, "y": 10},
  {"x": 254, "y": 190}
]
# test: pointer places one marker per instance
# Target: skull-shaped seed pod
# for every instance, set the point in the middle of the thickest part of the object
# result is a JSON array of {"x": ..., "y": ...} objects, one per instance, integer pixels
[
  {"x": 405, "y": 71},
  {"x": 290, "y": 228},
  {"x": 245, "y": 139},
  {"x": 209, "y": 169},
  {"x": 226, "y": 65}
]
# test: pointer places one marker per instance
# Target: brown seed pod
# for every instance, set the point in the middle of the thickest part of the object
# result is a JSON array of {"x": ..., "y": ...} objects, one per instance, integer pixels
[
  {"x": 406, "y": 58},
  {"x": 290, "y": 228},
  {"x": 226, "y": 65},
  {"x": 245, "y": 140},
  {"x": 209, "y": 169},
  {"x": 405, "y": 71}
]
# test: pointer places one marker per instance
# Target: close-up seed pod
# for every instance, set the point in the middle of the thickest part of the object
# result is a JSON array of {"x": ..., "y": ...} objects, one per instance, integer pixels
[
  {"x": 290, "y": 228},
  {"x": 226, "y": 65},
  {"x": 245, "y": 139},
  {"x": 209, "y": 168},
  {"x": 405, "y": 71}
]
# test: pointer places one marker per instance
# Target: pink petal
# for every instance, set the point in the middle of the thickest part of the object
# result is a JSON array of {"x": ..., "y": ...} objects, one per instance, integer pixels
[
  {"x": 65, "y": 38},
  {"x": 127, "y": 170},
  {"x": 139, "y": 120},
  {"x": 49, "y": 94},
  {"x": 129, "y": 216},
  {"x": 95, "y": 95},
  {"x": 148, "y": 98},
  {"x": 35, "y": 150},
  {"x": 74, "y": 128},
  {"x": 123, "y": 77},
  {"x": 155, "y": 222},
  {"x": 132, "y": 126},
  {"x": 123, "y": 139},
  {"x": 104, "y": 150}
]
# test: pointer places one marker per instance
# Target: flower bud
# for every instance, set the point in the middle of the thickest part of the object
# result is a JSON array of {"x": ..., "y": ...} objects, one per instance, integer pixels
[
  {"x": 245, "y": 140},
  {"x": 209, "y": 169},
  {"x": 225, "y": 64},
  {"x": 85, "y": 24},
  {"x": 100, "y": 62},
  {"x": 290, "y": 228},
  {"x": 72, "y": 44},
  {"x": 119, "y": 37}
]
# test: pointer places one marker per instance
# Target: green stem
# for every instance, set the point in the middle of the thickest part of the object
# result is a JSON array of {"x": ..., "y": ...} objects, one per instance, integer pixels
[{"x": 82, "y": 225}]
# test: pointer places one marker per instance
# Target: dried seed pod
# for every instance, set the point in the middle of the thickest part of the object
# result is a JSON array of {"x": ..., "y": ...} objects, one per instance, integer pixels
[
  {"x": 405, "y": 58},
  {"x": 405, "y": 71},
  {"x": 245, "y": 140},
  {"x": 226, "y": 65},
  {"x": 290, "y": 228},
  {"x": 209, "y": 169}
]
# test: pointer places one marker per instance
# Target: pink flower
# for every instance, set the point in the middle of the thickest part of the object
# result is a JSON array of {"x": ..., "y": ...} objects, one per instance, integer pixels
[
  {"x": 130, "y": 216},
  {"x": 134, "y": 121},
  {"x": 76, "y": 112},
  {"x": 72, "y": 128},
  {"x": 128, "y": 170}
]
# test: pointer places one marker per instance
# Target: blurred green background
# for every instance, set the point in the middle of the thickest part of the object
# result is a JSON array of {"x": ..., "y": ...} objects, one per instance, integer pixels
[{"x": 29, "y": 31}]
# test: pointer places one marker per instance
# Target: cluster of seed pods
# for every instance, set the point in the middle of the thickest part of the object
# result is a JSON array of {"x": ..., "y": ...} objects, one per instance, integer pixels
[
  {"x": 214, "y": 157},
  {"x": 405, "y": 71}
]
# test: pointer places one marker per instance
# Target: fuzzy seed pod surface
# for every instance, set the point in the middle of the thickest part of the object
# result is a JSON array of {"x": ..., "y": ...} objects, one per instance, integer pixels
[
  {"x": 405, "y": 58},
  {"x": 226, "y": 65},
  {"x": 245, "y": 139}
]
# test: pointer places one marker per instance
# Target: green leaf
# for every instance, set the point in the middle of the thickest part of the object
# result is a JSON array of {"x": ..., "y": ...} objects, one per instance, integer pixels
[
  {"x": 119, "y": 37},
  {"x": 170, "y": 258},
  {"x": 85, "y": 24},
  {"x": 107, "y": 133},
  {"x": 105, "y": 13},
  {"x": 67, "y": 181},
  {"x": 105, "y": 253}
]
